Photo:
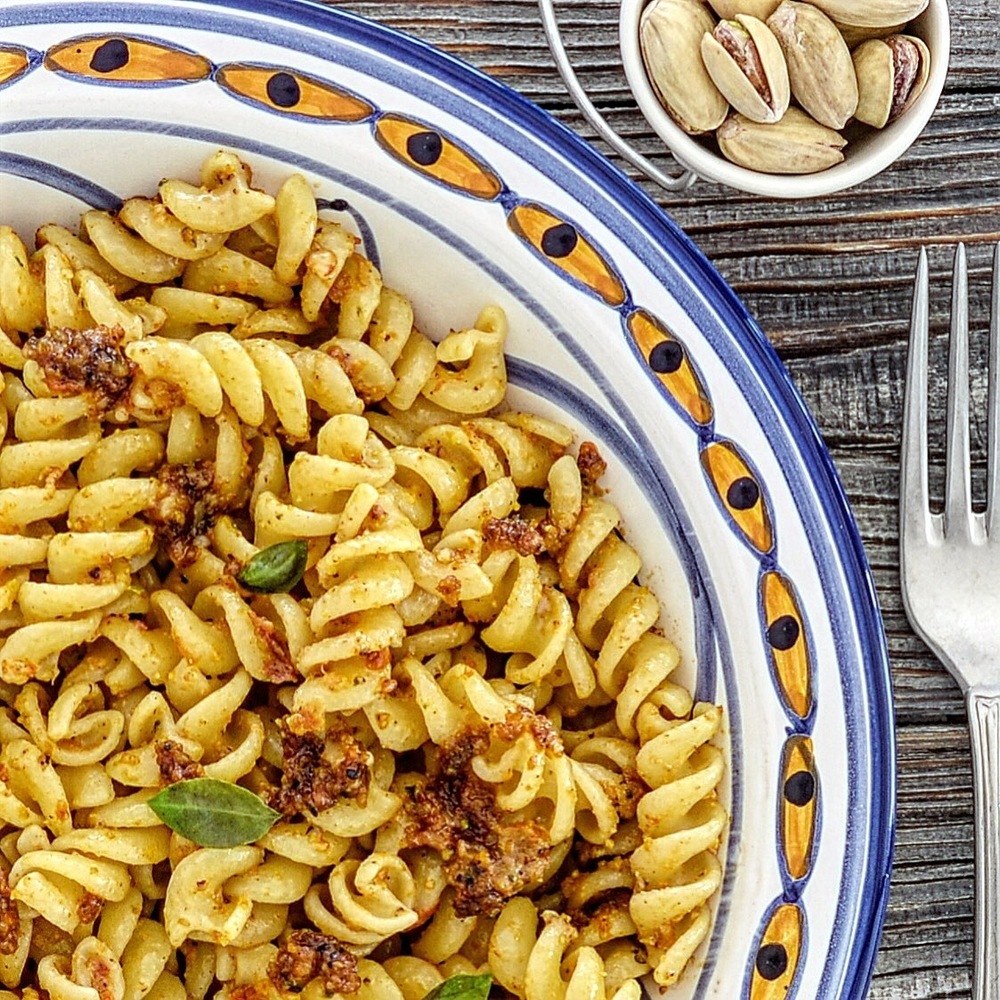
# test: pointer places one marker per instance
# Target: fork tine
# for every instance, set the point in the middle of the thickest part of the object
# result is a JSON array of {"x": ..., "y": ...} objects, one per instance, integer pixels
[
  {"x": 958, "y": 489},
  {"x": 993, "y": 424},
  {"x": 915, "y": 511}
]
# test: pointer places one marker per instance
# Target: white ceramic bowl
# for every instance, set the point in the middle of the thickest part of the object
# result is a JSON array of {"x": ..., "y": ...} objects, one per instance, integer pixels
[
  {"x": 768, "y": 595},
  {"x": 864, "y": 156}
]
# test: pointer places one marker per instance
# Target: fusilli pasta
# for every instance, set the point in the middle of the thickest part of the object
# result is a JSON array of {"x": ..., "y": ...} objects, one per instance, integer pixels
[{"x": 458, "y": 709}]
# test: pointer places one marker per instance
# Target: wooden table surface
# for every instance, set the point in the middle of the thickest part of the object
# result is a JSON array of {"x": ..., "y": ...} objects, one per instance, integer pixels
[{"x": 829, "y": 281}]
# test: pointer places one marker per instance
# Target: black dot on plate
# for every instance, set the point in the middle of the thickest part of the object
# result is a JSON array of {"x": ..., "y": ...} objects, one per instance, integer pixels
[
  {"x": 772, "y": 960},
  {"x": 559, "y": 241},
  {"x": 666, "y": 357},
  {"x": 425, "y": 148},
  {"x": 800, "y": 788},
  {"x": 743, "y": 493},
  {"x": 783, "y": 632},
  {"x": 112, "y": 55},
  {"x": 284, "y": 90}
]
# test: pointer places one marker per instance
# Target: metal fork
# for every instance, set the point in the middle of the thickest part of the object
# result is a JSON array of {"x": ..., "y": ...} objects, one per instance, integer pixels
[{"x": 950, "y": 570}]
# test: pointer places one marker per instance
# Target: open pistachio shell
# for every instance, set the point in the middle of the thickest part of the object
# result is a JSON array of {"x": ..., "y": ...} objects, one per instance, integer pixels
[
  {"x": 872, "y": 13},
  {"x": 794, "y": 145},
  {"x": 892, "y": 73},
  {"x": 820, "y": 69},
  {"x": 669, "y": 34},
  {"x": 746, "y": 63}
]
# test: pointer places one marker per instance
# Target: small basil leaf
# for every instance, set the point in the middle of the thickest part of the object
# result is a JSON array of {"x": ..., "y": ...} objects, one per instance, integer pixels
[
  {"x": 275, "y": 569},
  {"x": 462, "y": 988},
  {"x": 213, "y": 813}
]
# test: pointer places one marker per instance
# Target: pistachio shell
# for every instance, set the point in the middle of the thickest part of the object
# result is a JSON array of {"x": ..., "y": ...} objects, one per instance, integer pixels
[
  {"x": 794, "y": 145},
  {"x": 922, "y": 74},
  {"x": 820, "y": 69},
  {"x": 854, "y": 35},
  {"x": 728, "y": 9},
  {"x": 873, "y": 67},
  {"x": 746, "y": 63},
  {"x": 670, "y": 33},
  {"x": 892, "y": 73},
  {"x": 872, "y": 13}
]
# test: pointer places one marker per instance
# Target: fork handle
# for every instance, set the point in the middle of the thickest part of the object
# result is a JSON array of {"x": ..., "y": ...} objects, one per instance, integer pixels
[{"x": 984, "y": 728}]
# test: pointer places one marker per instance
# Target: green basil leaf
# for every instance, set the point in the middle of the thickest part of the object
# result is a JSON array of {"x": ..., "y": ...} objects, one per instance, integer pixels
[
  {"x": 213, "y": 813},
  {"x": 462, "y": 988},
  {"x": 275, "y": 569}
]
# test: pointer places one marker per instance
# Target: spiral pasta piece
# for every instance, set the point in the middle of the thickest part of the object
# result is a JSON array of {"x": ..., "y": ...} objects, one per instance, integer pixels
[
  {"x": 676, "y": 867},
  {"x": 92, "y": 972},
  {"x": 196, "y": 907},
  {"x": 56, "y": 884},
  {"x": 616, "y": 616},
  {"x": 531, "y": 963},
  {"x": 470, "y": 375},
  {"x": 76, "y": 729},
  {"x": 535, "y": 622},
  {"x": 370, "y": 901},
  {"x": 598, "y": 902}
]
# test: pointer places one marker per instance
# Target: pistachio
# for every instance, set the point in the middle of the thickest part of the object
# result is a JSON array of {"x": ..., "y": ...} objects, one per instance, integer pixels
[
  {"x": 854, "y": 35},
  {"x": 669, "y": 34},
  {"x": 728, "y": 9},
  {"x": 820, "y": 70},
  {"x": 892, "y": 73},
  {"x": 872, "y": 13},
  {"x": 794, "y": 145},
  {"x": 745, "y": 61}
]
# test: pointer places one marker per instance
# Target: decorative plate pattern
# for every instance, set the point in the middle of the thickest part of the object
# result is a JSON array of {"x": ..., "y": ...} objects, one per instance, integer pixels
[{"x": 620, "y": 326}]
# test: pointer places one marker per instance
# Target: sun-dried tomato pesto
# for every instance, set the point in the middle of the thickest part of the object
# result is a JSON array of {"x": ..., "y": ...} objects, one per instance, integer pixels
[
  {"x": 89, "y": 362},
  {"x": 513, "y": 532},
  {"x": 186, "y": 507},
  {"x": 591, "y": 463},
  {"x": 318, "y": 771},
  {"x": 486, "y": 858},
  {"x": 523, "y": 721},
  {"x": 175, "y": 763},
  {"x": 308, "y": 955}
]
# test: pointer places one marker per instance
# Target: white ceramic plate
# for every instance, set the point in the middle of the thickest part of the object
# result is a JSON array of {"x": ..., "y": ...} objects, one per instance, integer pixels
[{"x": 466, "y": 194}]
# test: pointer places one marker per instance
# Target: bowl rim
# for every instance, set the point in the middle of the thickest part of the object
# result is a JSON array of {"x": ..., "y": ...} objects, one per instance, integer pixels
[{"x": 705, "y": 163}]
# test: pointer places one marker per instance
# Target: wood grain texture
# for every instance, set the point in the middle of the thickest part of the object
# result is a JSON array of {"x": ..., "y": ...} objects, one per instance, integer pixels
[{"x": 830, "y": 282}]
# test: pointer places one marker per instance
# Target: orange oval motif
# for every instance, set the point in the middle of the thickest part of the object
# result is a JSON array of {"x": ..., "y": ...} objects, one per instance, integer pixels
[
  {"x": 786, "y": 641},
  {"x": 436, "y": 155},
  {"x": 14, "y": 62},
  {"x": 777, "y": 956},
  {"x": 289, "y": 92},
  {"x": 567, "y": 249},
  {"x": 126, "y": 59},
  {"x": 668, "y": 360},
  {"x": 739, "y": 491},
  {"x": 799, "y": 789}
]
